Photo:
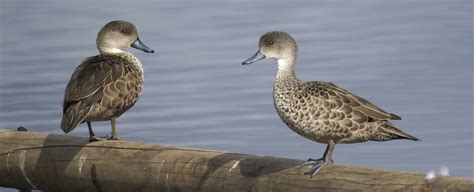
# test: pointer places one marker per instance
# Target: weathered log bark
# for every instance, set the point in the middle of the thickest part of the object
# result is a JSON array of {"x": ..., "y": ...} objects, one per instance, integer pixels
[{"x": 65, "y": 163}]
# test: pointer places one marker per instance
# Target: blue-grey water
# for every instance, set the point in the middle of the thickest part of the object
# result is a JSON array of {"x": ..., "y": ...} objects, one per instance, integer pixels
[{"x": 412, "y": 58}]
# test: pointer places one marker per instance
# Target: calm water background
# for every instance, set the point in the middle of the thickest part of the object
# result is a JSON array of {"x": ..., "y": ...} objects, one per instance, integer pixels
[{"x": 412, "y": 58}]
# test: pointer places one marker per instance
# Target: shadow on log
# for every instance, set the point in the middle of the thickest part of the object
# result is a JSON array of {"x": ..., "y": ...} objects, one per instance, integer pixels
[{"x": 65, "y": 163}]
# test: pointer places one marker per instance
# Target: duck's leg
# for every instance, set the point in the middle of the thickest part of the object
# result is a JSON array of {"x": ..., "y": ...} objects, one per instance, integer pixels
[
  {"x": 92, "y": 136},
  {"x": 114, "y": 131},
  {"x": 318, "y": 164}
]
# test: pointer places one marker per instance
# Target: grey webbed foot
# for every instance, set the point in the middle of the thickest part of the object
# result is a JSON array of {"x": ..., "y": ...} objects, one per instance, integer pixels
[
  {"x": 95, "y": 138},
  {"x": 316, "y": 166},
  {"x": 313, "y": 161},
  {"x": 114, "y": 137}
]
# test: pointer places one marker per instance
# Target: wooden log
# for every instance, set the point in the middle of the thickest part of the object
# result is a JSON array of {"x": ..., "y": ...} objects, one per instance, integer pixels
[{"x": 65, "y": 163}]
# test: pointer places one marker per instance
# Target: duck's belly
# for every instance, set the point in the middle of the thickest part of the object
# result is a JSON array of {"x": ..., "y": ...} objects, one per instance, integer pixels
[
  {"x": 314, "y": 130},
  {"x": 119, "y": 96}
]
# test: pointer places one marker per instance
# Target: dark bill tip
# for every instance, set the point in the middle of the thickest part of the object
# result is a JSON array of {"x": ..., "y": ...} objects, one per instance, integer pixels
[
  {"x": 141, "y": 46},
  {"x": 256, "y": 57}
]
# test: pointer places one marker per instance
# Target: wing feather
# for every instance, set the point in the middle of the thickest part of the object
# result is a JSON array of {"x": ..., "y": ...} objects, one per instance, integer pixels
[
  {"x": 86, "y": 85},
  {"x": 357, "y": 103}
]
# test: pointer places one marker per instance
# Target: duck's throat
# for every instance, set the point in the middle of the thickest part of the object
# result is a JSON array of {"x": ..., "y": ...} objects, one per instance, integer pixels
[
  {"x": 110, "y": 51},
  {"x": 286, "y": 69}
]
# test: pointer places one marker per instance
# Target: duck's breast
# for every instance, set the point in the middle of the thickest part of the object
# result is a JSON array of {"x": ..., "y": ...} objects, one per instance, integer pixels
[{"x": 122, "y": 93}]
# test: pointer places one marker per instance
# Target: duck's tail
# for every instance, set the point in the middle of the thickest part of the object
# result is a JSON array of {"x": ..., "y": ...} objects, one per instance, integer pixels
[
  {"x": 390, "y": 132},
  {"x": 73, "y": 115}
]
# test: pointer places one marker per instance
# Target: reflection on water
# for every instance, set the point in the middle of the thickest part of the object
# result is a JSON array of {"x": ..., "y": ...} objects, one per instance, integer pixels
[{"x": 411, "y": 58}]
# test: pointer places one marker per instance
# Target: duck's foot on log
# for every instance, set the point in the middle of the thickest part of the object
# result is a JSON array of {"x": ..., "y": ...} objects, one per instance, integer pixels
[
  {"x": 113, "y": 137},
  {"x": 316, "y": 165},
  {"x": 95, "y": 138}
]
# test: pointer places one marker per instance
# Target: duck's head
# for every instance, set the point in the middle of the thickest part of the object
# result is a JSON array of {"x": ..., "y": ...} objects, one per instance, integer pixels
[
  {"x": 118, "y": 35},
  {"x": 276, "y": 45}
]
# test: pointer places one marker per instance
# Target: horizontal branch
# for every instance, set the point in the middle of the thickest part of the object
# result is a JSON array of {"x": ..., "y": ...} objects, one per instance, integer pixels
[{"x": 65, "y": 163}]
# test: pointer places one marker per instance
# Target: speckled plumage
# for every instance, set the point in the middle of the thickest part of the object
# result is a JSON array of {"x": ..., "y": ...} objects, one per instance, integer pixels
[
  {"x": 321, "y": 111},
  {"x": 105, "y": 86},
  {"x": 318, "y": 110}
]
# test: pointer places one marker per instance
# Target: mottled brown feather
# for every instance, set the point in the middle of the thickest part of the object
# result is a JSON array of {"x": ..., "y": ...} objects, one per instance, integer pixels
[
  {"x": 358, "y": 103},
  {"x": 98, "y": 89},
  {"x": 322, "y": 111}
]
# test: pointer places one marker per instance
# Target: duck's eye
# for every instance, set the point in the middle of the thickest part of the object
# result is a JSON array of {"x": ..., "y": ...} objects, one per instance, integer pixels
[
  {"x": 271, "y": 42},
  {"x": 124, "y": 30}
]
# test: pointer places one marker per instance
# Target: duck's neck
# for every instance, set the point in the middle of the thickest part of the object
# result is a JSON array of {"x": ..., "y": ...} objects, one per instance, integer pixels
[
  {"x": 286, "y": 69},
  {"x": 110, "y": 51}
]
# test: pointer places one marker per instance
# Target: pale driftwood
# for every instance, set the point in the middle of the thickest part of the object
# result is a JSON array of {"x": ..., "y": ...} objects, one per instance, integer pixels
[{"x": 65, "y": 163}]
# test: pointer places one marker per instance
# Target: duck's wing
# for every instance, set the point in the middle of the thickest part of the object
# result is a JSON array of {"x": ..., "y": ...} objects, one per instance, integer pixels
[
  {"x": 360, "y": 104},
  {"x": 91, "y": 75},
  {"x": 85, "y": 87},
  {"x": 357, "y": 103},
  {"x": 351, "y": 118}
]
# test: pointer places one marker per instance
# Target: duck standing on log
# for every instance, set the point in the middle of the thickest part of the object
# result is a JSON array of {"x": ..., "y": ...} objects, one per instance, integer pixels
[
  {"x": 318, "y": 110},
  {"x": 105, "y": 86}
]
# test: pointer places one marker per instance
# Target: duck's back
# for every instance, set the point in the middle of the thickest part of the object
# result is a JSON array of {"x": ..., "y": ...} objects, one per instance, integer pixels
[
  {"x": 101, "y": 87},
  {"x": 322, "y": 111}
]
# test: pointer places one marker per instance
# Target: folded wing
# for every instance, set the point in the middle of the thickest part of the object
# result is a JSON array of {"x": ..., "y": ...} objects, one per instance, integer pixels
[{"x": 85, "y": 88}]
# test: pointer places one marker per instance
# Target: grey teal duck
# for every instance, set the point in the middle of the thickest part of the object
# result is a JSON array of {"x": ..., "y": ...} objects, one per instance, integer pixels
[
  {"x": 319, "y": 110},
  {"x": 105, "y": 86}
]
